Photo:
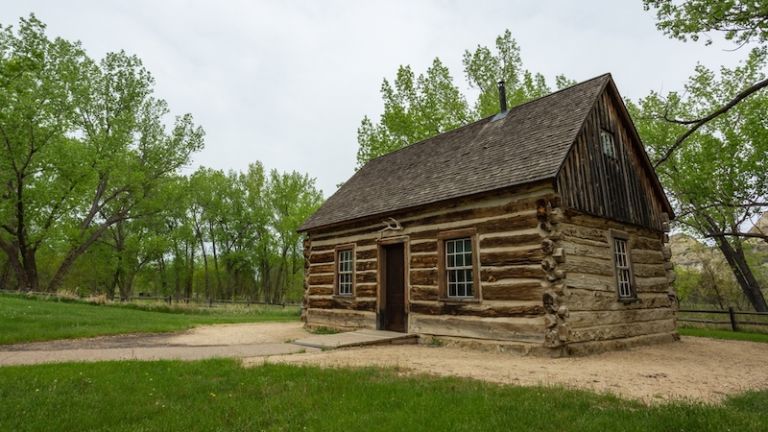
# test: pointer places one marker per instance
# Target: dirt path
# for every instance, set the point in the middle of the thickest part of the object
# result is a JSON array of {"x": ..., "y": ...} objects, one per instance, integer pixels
[
  {"x": 226, "y": 340},
  {"x": 695, "y": 369}
]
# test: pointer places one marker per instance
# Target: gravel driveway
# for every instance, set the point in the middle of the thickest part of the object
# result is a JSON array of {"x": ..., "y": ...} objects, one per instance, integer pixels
[
  {"x": 225, "y": 340},
  {"x": 697, "y": 369}
]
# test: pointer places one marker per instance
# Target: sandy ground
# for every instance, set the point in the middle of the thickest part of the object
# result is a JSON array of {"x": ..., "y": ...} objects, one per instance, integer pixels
[
  {"x": 227, "y": 340},
  {"x": 695, "y": 369}
]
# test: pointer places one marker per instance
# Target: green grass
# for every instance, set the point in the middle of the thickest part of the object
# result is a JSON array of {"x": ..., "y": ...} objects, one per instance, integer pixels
[
  {"x": 30, "y": 319},
  {"x": 723, "y": 334},
  {"x": 219, "y": 395}
]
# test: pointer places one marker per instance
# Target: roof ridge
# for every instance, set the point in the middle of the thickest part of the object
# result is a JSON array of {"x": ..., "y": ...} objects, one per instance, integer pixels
[{"x": 451, "y": 131}]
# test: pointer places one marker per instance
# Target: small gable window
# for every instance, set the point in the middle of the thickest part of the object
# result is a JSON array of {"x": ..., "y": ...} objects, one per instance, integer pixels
[
  {"x": 344, "y": 271},
  {"x": 608, "y": 143}
]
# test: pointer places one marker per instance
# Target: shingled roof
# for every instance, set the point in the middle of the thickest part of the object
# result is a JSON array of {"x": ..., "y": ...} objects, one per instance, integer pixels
[{"x": 527, "y": 145}]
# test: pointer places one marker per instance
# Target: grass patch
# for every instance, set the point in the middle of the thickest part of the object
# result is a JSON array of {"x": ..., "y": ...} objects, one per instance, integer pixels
[
  {"x": 219, "y": 395},
  {"x": 323, "y": 330},
  {"x": 723, "y": 334},
  {"x": 30, "y": 319}
]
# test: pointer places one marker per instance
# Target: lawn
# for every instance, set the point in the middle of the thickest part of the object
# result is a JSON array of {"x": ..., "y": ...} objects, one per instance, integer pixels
[
  {"x": 723, "y": 334},
  {"x": 29, "y": 319},
  {"x": 220, "y": 395}
]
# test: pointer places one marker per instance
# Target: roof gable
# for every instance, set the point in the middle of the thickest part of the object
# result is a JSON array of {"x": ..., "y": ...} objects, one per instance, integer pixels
[{"x": 528, "y": 144}]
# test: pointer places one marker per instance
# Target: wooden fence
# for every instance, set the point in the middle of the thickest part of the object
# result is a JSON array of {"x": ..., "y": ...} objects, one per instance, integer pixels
[
  {"x": 732, "y": 319},
  {"x": 166, "y": 299}
]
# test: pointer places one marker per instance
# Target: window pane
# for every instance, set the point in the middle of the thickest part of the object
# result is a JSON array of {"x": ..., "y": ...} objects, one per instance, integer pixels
[
  {"x": 449, "y": 245},
  {"x": 467, "y": 245}
]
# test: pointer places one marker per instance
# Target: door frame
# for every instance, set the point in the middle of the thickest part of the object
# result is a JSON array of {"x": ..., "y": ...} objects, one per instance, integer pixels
[{"x": 381, "y": 300}]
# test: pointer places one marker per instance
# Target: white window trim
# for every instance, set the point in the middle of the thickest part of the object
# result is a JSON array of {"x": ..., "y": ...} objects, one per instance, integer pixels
[
  {"x": 464, "y": 268},
  {"x": 346, "y": 289}
]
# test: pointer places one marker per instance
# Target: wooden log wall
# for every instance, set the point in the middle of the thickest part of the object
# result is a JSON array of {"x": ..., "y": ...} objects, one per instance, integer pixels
[
  {"x": 513, "y": 242},
  {"x": 620, "y": 188},
  {"x": 589, "y": 307}
]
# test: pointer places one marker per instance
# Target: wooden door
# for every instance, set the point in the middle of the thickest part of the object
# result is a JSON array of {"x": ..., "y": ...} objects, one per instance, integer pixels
[{"x": 394, "y": 309}]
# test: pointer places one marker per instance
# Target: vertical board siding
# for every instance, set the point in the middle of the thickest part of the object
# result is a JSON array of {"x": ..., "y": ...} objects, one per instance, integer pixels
[{"x": 619, "y": 189}]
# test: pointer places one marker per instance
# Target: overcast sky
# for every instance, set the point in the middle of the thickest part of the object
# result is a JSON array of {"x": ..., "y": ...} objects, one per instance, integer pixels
[{"x": 287, "y": 82}]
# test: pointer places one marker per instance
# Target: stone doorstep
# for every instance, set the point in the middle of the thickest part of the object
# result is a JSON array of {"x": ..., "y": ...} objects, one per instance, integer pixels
[{"x": 356, "y": 338}]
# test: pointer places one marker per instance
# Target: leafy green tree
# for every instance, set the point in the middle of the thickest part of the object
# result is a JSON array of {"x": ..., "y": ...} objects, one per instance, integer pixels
[
  {"x": 741, "y": 21},
  {"x": 416, "y": 108},
  {"x": 293, "y": 197},
  {"x": 484, "y": 69},
  {"x": 718, "y": 180},
  {"x": 84, "y": 145}
]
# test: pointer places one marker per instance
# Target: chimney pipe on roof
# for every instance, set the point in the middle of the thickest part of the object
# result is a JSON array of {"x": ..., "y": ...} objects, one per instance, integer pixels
[{"x": 502, "y": 97}]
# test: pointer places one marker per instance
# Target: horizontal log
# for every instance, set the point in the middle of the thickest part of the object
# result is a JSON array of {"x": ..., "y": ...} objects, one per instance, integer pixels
[
  {"x": 578, "y": 319},
  {"x": 343, "y": 319},
  {"x": 424, "y": 247},
  {"x": 514, "y": 329},
  {"x": 321, "y": 279},
  {"x": 512, "y": 223},
  {"x": 590, "y": 282},
  {"x": 579, "y": 300},
  {"x": 647, "y": 243},
  {"x": 493, "y": 274},
  {"x": 573, "y": 249},
  {"x": 423, "y": 277},
  {"x": 323, "y": 268},
  {"x": 618, "y": 331},
  {"x": 513, "y": 291},
  {"x": 423, "y": 261},
  {"x": 644, "y": 256},
  {"x": 570, "y": 231},
  {"x": 510, "y": 240},
  {"x": 366, "y": 265},
  {"x": 648, "y": 270},
  {"x": 366, "y": 254},
  {"x": 342, "y": 303},
  {"x": 478, "y": 310},
  {"x": 365, "y": 290},
  {"x": 367, "y": 277},
  {"x": 422, "y": 292},
  {"x": 592, "y": 266},
  {"x": 513, "y": 257},
  {"x": 319, "y": 290},
  {"x": 321, "y": 257}
]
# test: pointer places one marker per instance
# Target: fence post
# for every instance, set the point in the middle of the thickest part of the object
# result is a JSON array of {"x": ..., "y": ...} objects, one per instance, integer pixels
[{"x": 732, "y": 316}]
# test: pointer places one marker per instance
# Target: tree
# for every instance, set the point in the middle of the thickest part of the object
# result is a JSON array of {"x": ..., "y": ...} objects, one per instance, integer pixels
[
  {"x": 84, "y": 145},
  {"x": 483, "y": 70},
  {"x": 717, "y": 180},
  {"x": 741, "y": 21},
  {"x": 416, "y": 108}
]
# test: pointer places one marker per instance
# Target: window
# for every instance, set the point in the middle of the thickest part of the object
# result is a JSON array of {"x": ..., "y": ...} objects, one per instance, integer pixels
[
  {"x": 345, "y": 272},
  {"x": 623, "y": 268},
  {"x": 458, "y": 257},
  {"x": 608, "y": 144},
  {"x": 458, "y": 278}
]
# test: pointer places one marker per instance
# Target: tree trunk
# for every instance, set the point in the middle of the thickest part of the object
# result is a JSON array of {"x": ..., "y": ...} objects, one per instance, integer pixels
[
  {"x": 72, "y": 255},
  {"x": 741, "y": 270},
  {"x": 199, "y": 233},
  {"x": 215, "y": 257}
]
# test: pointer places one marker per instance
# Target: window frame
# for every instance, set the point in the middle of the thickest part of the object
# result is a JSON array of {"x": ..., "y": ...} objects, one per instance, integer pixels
[
  {"x": 614, "y": 150},
  {"x": 623, "y": 236},
  {"x": 442, "y": 265},
  {"x": 336, "y": 271}
]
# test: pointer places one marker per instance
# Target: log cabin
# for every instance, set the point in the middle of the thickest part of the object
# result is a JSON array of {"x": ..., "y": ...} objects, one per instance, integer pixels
[{"x": 540, "y": 230}]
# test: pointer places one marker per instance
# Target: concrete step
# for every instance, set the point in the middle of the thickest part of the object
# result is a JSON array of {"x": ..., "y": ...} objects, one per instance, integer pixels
[{"x": 356, "y": 338}]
